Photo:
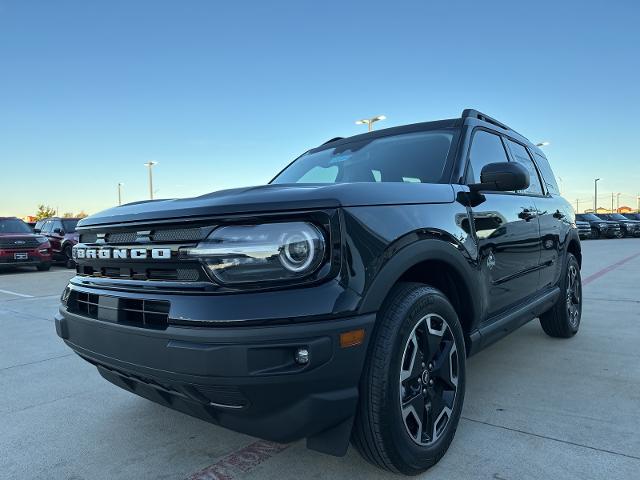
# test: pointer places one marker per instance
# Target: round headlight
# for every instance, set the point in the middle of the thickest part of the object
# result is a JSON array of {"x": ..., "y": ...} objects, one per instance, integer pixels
[
  {"x": 297, "y": 251},
  {"x": 262, "y": 253}
]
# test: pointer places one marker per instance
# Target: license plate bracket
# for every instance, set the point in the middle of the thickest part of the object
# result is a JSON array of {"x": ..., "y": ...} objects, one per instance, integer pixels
[{"x": 21, "y": 256}]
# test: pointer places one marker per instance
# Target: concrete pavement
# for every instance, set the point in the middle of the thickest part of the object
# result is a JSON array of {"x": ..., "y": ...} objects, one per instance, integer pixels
[{"x": 535, "y": 407}]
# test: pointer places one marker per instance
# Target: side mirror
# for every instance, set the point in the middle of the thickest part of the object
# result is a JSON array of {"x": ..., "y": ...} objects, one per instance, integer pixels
[
  {"x": 36, "y": 230},
  {"x": 59, "y": 231},
  {"x": 502, "y": 177}
]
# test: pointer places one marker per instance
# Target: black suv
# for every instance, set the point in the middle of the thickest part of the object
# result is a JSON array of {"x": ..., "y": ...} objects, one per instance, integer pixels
[
  {"x": 341, "y": 300},
  {"x": 628, "y": 228},
  {"x": 584, "y": 229},
  {"x": 599, "y": 227}
]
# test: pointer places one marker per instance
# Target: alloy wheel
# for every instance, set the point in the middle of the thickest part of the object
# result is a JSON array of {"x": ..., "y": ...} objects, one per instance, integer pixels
[
  {"x": 574, "y": 296},
  {"x": 428, "y": 379}
]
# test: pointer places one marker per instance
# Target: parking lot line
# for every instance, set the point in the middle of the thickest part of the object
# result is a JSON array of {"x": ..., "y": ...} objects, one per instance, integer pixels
[
  {"x": 606, "y": 270},
  {"x": 239, "y": 462},
  {"x": 8, "y": 292}
]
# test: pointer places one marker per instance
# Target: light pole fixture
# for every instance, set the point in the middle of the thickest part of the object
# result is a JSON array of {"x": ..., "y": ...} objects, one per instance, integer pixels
[
  {"x": 595, "y": 198},
  {"x": 542, "y": 144},
  {"x": 370, "y": 121},
  {"x": 150, "y": 165},
  {"x": 120, "y": 184}
]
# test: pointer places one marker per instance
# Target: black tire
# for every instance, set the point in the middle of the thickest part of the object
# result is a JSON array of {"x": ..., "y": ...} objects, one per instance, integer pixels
[
  {"x": 43, "y": 267},
  {"x": 563, "y": 320},
  {"x": 68, "y": 257},
  {"x": 386, "y": 431}
]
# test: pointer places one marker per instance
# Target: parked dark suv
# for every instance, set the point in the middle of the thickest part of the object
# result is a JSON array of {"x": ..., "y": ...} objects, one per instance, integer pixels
[
  {"x": 628, "y": 228},
  {"x": 19, "y": 246},
  {"x": 599, "y": 227},
  {"x": 584, "y": 229},
  {"x": 341, "y": 300},
  {"x": 62, "y": 235}
]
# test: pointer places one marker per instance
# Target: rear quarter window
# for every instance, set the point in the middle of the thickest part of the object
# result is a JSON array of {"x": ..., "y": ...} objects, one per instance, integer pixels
[{"x": 547, "y": 174}]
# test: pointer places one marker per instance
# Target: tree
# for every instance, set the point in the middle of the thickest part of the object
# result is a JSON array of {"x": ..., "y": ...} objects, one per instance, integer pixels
[
  {"x": 82, "y": 214},
  {"x": 67, "y": 215},
  {"x": 44, "y": 211}
]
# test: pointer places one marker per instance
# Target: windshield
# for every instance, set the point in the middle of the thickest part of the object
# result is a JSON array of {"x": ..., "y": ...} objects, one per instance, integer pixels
[
  {"x": 14, "y": 225},
  {"x": 589, "y": 217},
  {"x": 69, "y": 226},
  {"x": 413, "y": 157},
  {"x": 617, "y": 216}
]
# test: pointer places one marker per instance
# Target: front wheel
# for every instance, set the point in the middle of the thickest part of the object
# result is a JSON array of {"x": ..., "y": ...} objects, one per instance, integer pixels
[
  {"x": 563, "y": 320},
  {"x": 412, "y": 388}
]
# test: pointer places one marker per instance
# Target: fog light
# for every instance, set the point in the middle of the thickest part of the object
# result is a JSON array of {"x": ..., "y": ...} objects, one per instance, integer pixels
[{"x": 302, "y": 356}]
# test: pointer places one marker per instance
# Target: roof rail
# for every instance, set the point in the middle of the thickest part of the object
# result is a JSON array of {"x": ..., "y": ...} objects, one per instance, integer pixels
[
  {"x": 333, "y": 140},
  {"x": 470, "y": 113}
]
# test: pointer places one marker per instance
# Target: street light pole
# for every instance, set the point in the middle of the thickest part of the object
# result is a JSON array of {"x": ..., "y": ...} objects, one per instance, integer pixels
[
  {"x": 370, "y": 121},
  {"x": 150, "y": 165},
  {"x": 120, "y": 184},
  {"x": 595, "y": 198},
  {"x": 618, "y": 202}
]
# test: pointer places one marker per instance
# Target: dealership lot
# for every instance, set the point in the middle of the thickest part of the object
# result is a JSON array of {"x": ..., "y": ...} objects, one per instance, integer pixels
[{"x": 536, "y": 407}]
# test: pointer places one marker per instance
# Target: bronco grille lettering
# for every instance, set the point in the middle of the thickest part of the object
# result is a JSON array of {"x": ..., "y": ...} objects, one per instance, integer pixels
[{"x": 122, "y": 253}]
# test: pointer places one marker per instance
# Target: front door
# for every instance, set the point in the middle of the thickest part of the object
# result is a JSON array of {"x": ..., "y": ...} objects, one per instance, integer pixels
[{"x": 508, "y": 232}]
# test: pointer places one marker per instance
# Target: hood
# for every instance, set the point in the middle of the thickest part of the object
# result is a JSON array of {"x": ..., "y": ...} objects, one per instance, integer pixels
[
  {"x": 18, "y": 235},
  {"x": 275, "y": 198}
]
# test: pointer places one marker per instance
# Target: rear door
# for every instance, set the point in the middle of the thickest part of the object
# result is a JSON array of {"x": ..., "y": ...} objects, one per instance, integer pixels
[
  {"x": 507, "y": 230},
  {"x": 554, "y": 213}
]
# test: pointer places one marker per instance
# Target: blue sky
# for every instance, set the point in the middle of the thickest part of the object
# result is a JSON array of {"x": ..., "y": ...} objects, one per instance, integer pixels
[{"x": 225, "y": 94}]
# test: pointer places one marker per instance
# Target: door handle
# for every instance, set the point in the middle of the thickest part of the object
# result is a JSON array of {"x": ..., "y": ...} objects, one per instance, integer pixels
[{"x": 527, "y": 214}]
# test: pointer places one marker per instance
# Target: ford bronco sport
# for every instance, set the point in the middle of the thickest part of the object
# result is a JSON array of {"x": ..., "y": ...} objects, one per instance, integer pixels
[{"x": 339, "y": 302}]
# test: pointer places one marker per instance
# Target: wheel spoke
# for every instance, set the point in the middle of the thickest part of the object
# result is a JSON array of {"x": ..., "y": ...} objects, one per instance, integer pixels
[
  {"x": 433, "y": 333},
  {"x": 446, "y": 365},
  {"x": 413, "y": 414},
  {"x": 411, "y": 364}
]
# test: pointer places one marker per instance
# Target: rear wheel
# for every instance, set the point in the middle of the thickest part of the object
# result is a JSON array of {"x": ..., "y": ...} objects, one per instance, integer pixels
[
  {"x": 412, "y": 389},
  {"x": 563, "y": 320}
]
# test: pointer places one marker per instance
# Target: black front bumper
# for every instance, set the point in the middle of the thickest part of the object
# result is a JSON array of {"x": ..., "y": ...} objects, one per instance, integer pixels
[{"x": 242, "y": 378}]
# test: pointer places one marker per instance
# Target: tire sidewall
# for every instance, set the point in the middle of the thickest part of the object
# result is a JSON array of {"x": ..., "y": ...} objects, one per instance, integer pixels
[{"x": 404, "y": 447}]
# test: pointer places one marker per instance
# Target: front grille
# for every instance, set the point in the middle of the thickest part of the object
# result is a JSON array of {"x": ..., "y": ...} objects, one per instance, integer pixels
[
  {"x": 134, "y": 272},
  {"x": 136, "y": 312},
  {"x": 166, "y": 235},
  {"x": 18, "y": 243}
]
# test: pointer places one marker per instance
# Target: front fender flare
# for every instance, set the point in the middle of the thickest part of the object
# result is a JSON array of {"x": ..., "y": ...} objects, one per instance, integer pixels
[{"x": 413, "y": 254}]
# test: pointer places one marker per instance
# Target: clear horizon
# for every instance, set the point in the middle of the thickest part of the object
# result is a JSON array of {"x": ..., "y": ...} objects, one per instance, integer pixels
[{"x": 225, "y": 95}]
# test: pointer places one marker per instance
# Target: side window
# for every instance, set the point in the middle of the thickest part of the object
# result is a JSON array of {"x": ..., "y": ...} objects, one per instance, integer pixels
[
  {"x": 485, "y": 148},
  {"x": 38, "y": 225},
  {"x": 547, "y": 174},
  {"x": 521, "y": 155},
  {"x": 56, "y": 224},
  {"x": 46, "y": 227}
]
